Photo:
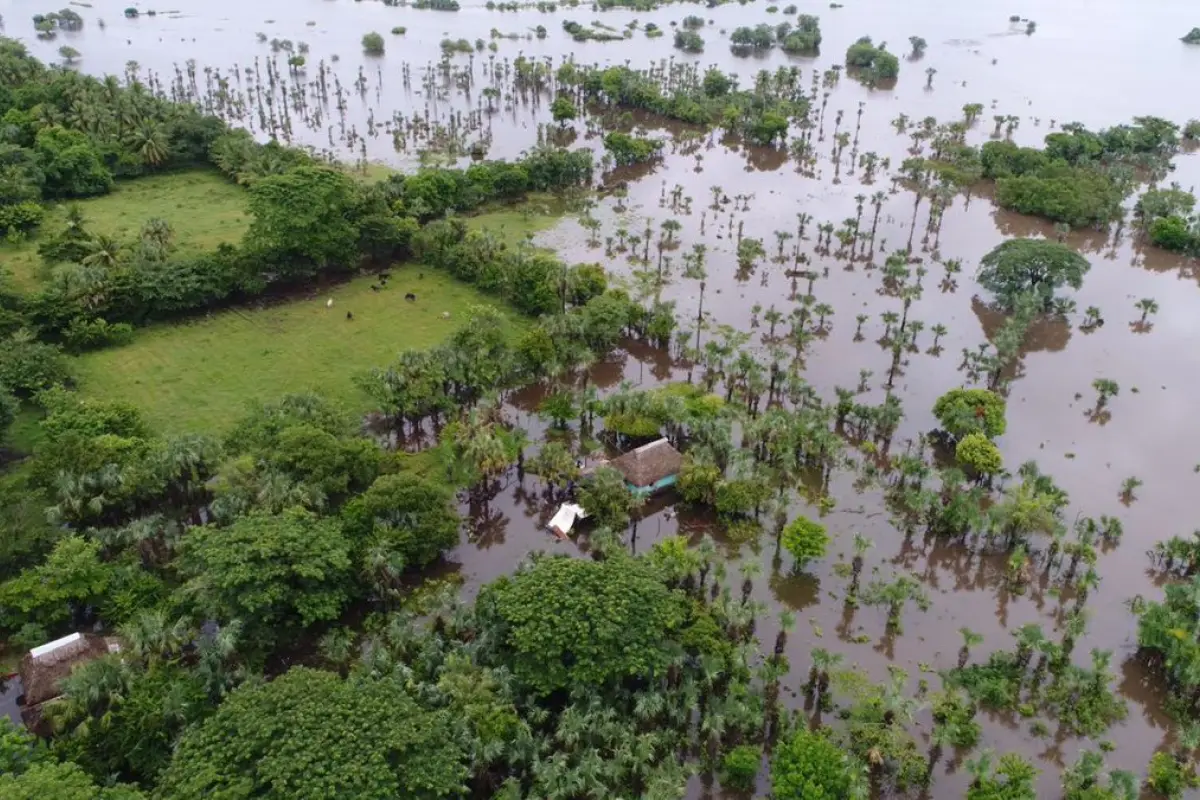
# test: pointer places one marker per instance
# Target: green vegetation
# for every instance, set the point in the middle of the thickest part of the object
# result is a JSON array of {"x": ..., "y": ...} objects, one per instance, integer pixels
[
  {"x": 626, "y": 150},
  {"x": 689, "y": 41},
  {"x": 203, "y": 210},
  {"x": 874, "y": 63},
  {"x": 744, "y": 40},
  {"x": 562, "y": 110},
  {"x": 1031, "y": 268},
  {"x": 807, "y": 766},
  {"x": 1073, "y": 180},
  {"x": 199, "y": 375},
  {"x": 806, "y": 541},
  {"x": 228, "y": 488},
  {"x": 978, "y": 454},
  {"x": 373, "y": 44},
  {"x": 702, "y": 97},
  {"x": 804, "y": 39},
  {"x": 966, "y": 411}
]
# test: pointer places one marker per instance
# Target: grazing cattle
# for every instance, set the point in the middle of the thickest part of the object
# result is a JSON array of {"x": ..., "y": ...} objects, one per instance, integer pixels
[
  {"x": 445, "y": 315},
  {"x": 374, "y": 288},
  {"x": 410, "y": 297},
  {"x": 329, "y": 303},
  {"x": 349, "y": 315},
  {"x": 421, "y": 276}
]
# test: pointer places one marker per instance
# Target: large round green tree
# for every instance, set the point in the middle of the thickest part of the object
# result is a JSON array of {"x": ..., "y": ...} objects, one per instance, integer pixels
[
  {"x": 1036, "y": 267},
  {"x": 567, "y": 621},
  {"x": 413, "y": 518},
  {"x": 965, "y": 411},
  {"x": 274, "y": 572},
  {"x": 312, "y": 735}
]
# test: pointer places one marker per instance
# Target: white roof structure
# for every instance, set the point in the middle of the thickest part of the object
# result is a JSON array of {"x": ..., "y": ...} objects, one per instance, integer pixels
[
  {"x": 69, "y": 643},
  {"x": 565, "y": 518}
]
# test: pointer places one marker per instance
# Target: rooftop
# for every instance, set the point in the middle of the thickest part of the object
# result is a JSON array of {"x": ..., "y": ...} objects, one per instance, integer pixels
[{"x": 649, "y": 463}]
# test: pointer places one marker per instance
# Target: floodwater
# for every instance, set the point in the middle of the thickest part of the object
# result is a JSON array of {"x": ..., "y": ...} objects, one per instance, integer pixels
[{"x": 1100, "y": 62}]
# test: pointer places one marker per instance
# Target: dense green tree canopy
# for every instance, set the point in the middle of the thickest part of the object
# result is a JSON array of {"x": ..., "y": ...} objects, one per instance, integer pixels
[
  {"x": 309, "y": 212},
  {"x": 627, "y": 150},
  {"x": 274, "y": 572},
  {"x": 411, "y": 517},
  {"x": 1035, "y": 267},
  {"x": 61, "y": 781},
  {"x": 311, "y": 734},
  {"x": 568, "y": 621}
]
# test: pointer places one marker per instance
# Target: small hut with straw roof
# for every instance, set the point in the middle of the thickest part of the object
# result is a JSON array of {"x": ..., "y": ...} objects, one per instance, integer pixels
[
  {"x": 44, "y": 667},
  {"x": 649, "y": 468}
]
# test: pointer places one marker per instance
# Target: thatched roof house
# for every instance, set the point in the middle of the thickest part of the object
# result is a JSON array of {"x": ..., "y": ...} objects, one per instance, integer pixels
[
  {"x": 44, "y": 667},
  {"x": 650, "y": 467}
]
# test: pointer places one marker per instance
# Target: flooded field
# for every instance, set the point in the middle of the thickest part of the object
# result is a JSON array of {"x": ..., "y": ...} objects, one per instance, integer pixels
[{"x": 1098, "y": 63}]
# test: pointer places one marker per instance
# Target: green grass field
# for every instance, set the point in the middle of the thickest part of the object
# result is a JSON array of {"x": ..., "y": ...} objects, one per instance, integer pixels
[
  {"x": 199, "y": 376},
  {"x": 512, "y": 223},
  {"x": 203, "y": 207}
]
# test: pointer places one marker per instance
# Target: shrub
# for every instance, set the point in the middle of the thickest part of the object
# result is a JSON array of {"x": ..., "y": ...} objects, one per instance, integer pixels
[
  {"x": 20, "y": 218},
  {"x": 372, "y": 44},
  {"x": 979, "y": 453},
  {"x": 1079, "y": 196},
  {"x": 28, "y": 366},
  {"x": 689, "y": 41},
  {"x": 739, "y": 767},
  {"x": 93, "y": 334},
  {"x": 1168, "y": 777},
  {"x": 1174, "y": 233},
  {"x": 875, "y": 62},
  {"x": 966, "y": 411},
  {"x": 810, "y": 767},
  {"x": 805, "y": 540}
]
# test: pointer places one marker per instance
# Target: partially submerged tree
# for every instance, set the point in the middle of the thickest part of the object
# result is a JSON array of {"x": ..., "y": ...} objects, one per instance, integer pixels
[
  {"x": 570, "y": 622},
  {"x": 966, "y": 411},
  {"x": 1034, "y": 267},
  {"x": 805, "y": 540}
]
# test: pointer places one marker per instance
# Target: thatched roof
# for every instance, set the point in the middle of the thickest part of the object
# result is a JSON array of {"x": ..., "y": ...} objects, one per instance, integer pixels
[
  {"x": 44, "y": 667},
  {"x": 649, "y": 463}
]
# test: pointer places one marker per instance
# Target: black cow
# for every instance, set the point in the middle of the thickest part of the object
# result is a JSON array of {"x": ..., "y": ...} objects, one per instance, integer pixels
[{"x": 410, "y": 297}]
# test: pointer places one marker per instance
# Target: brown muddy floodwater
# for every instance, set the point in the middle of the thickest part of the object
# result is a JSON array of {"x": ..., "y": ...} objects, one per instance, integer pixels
[{"x": 1099, "y": 62}]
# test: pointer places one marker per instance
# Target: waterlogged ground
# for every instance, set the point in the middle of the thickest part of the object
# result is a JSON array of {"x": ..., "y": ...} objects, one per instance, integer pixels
[{"x": 1098, "y": 62}]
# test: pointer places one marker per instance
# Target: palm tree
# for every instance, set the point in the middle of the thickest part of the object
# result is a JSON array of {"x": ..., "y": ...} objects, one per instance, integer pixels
[
  {"x": 103, "y": 251},
  {"x": 970, "y": 639},
  {"x": 1105, "y": 388},
  {"x": 1029, "y": 638},
  {"x": 1147, "y": 306},
  {"x": 151, "y": 635},
  {"x": 149, "y": 141},
  {"x": 861, "y": 545},
  {"x": 895, "y": 594},
  {"x": 824, "y": 662}
]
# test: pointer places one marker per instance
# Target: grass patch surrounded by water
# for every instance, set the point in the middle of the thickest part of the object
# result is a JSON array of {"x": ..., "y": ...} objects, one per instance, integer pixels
[
  {"x": 199, "y": 376},
  {"x": 513, "y": 223},
  {"x": 204, "y": 208}
]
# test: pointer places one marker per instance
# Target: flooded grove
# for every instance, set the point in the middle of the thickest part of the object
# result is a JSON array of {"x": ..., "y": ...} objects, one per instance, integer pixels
[{"x": 1099, "y": 62}]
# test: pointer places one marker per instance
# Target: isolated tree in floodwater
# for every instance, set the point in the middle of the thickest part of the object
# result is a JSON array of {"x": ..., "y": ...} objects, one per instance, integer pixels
[
  {"x": 1035, "y": 267},
  {"x": 563, "y": 110},
  {"x": 1105, "y": 388}
]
